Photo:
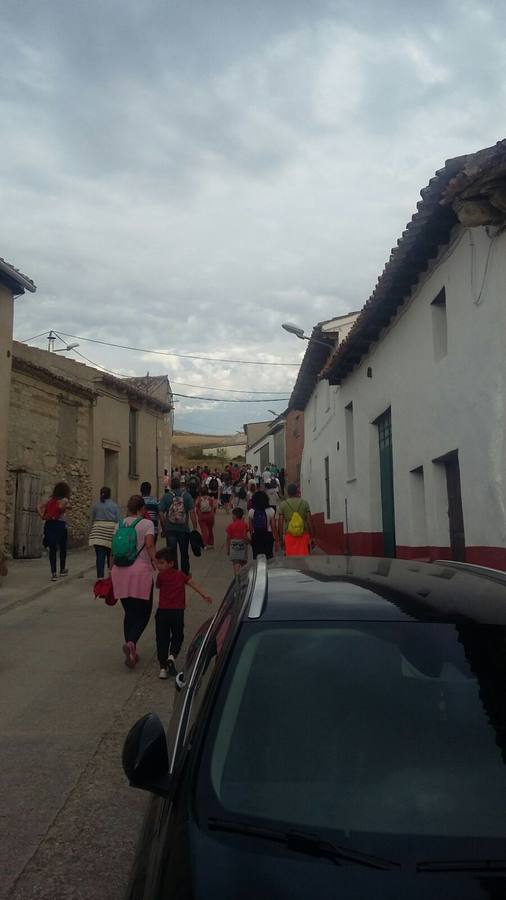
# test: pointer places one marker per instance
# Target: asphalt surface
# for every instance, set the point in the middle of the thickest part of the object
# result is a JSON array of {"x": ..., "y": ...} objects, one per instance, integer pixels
[{"x": 68, "y": 820}]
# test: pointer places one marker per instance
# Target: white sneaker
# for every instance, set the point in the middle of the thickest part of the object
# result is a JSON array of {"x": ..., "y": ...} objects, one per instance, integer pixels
[{"x": 163, "y": 674}]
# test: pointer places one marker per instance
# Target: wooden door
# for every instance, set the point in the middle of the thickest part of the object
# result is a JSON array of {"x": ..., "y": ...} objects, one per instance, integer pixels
[
  {"x": 28, "y": 527},
  {"x": 384, "y": 424},
  {"x": 455, "y": 511},
  {"x": 111, "y": 472}
]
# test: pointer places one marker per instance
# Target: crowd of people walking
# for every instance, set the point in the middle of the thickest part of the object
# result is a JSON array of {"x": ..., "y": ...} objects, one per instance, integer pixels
[{"x": 266, "y": 514}]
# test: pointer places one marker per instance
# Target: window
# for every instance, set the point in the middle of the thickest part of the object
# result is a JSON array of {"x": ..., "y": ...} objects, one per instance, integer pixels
[
  {"x": 327, "y": 485},
  {"x": 132, "y": 443},
  {"x": 326, "y": 388},
  {"x": 315, "y": 408},
  {"x": 439, "y": 326},
  {"x": 67, "y": 431},
  {"x": 418, "y": 514},
  {"x": 350, "y": 441},
  {"x": 401, "y": 713}
]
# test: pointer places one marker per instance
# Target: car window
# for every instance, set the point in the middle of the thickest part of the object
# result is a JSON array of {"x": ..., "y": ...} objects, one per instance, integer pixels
[
  {"x": 215, "y": 644},
  {"x": 385, "y": 728}
]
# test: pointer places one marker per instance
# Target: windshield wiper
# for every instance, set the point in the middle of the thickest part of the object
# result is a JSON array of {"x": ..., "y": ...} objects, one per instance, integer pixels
[
  {"x": 303, "y": 842},
  {"x": 462, "y": 865}
]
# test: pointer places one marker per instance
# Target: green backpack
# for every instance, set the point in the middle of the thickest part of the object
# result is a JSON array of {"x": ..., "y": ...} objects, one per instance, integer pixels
[
  {"x": 124, "y": 544},
  {"x": 296, "y": 525}
]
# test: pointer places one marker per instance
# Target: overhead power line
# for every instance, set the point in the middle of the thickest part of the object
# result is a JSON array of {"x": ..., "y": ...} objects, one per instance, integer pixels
[
  {"x": 242, "y": 362},
  {"x": 233, "y": 400},
  {"x": 202, "y": 387},
  {"x": 188, "y": 396}
]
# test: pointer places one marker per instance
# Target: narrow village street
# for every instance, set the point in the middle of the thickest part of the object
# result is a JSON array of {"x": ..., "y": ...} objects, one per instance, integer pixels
[{"x": 69, "y": 822}]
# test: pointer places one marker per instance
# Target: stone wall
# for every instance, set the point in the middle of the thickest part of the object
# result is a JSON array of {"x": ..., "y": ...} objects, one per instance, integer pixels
[
  {"x": 49, "y": 438},
  {"x": 6, "y": 313}
]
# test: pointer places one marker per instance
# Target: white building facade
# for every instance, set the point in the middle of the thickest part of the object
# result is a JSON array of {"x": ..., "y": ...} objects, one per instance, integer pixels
[
  {"x": 405, "y": 446},
  {"x": 270, "y": 447}
]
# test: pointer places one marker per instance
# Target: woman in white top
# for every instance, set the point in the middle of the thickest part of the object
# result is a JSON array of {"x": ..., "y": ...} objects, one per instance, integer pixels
[{"x": 272, "y": 492}]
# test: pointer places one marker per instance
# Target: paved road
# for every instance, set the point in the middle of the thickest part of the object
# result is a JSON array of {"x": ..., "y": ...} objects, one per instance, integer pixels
[{"x": 68, "y": 822}]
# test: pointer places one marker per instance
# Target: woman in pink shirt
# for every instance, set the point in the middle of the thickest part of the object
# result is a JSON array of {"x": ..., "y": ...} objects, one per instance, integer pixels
[{"x": 133, "y": 584}]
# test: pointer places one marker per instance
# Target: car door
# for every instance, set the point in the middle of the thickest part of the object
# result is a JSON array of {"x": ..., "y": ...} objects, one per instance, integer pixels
[{"x": 163, "y": 814}]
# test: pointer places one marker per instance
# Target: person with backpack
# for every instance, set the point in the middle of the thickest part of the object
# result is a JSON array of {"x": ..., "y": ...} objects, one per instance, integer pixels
[
  {"x": 104, "y": 518},
  {"x": 205, "y": 508},
  {"x": 55, "y": 527},
  {"x": 151, "y": 506},
  {"x": 295, "y": 523},
  {"x": 262, "y": 524},
  {"x": 176, "y": 510},
  {"x": 194, "y": 484},
  {"x": 214, "y": 486},
  {"x": 133, "y": 554}
]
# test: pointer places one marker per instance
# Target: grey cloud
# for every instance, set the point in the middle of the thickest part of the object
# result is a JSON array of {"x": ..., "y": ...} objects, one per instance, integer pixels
[{"x": 187, "y": 176}]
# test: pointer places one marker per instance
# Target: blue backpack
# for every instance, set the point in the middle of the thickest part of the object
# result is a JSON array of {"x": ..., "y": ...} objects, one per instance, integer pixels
[{"x": 260, "y": 520}]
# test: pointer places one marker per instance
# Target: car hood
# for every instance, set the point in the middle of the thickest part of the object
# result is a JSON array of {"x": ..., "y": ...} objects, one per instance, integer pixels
[{"x": 249, "y": 869}]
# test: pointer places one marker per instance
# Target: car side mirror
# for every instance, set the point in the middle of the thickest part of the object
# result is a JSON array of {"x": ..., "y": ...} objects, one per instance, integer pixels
[{"x": 145, "y": 756}]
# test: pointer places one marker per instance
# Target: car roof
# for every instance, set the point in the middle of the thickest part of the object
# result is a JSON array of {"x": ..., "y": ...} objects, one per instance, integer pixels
[{"x": 363, "y": 588}]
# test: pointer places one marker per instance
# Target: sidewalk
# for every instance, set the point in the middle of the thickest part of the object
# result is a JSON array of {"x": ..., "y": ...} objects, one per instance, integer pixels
[{"x": 28, "y": 579}]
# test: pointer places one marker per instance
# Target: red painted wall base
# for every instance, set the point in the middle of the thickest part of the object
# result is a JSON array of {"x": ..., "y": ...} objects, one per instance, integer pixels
[{"x": 330, "y": 537}]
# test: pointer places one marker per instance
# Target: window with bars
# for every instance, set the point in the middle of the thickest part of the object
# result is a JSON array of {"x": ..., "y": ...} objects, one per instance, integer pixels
[{"x": 350, "y": 441}]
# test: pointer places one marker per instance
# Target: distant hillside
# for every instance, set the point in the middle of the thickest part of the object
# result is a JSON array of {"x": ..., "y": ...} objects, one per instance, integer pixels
[
  {"x": 187, "y": 447},
  {"x": 191, "y": 439}
]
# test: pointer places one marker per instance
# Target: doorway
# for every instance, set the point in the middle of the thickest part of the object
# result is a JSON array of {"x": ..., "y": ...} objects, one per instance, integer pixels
[
  {"x": 111, "y": 471},
  {"x": 455, "y": 511},
  {"x": 384, "y": 425},
  {"x": 28, "y": 525}
]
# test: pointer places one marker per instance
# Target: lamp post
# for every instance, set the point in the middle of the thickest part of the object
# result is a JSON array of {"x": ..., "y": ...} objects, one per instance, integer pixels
[{"x": 299, "y": 332}]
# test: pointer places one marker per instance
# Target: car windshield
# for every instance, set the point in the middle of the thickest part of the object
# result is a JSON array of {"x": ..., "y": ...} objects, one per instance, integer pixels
[{"x": 385, "y": 728}]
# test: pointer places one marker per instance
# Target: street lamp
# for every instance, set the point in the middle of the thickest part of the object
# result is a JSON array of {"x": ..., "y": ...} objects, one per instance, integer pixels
[
  {"x": 64, "y": 349},
  {"x": 294, "y": 329},
  {"x": 299, "y": 332}
]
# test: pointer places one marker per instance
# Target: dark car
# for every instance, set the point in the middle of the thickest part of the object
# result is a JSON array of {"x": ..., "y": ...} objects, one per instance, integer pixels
[{"x": 340, "y": 733}]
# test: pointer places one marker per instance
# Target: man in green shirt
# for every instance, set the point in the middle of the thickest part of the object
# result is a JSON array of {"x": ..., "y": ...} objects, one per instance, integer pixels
[{"x": 295, "y": 544}]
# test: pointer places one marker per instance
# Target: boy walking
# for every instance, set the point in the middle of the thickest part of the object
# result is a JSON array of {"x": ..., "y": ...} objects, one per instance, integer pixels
[{"x": 169, "y": 618}]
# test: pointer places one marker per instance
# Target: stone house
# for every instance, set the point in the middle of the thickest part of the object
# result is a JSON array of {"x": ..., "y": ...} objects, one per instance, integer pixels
[
  {"x": 69, "y": 421},
  {"x": 12, "y": 284}
]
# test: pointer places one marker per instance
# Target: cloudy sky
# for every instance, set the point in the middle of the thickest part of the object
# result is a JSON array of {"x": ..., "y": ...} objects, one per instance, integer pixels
[{"x": 184, "y": 176}]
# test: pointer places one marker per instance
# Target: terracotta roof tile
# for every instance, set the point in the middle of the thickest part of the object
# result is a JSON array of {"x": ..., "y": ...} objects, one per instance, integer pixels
[{"x": 428, "y": 230}]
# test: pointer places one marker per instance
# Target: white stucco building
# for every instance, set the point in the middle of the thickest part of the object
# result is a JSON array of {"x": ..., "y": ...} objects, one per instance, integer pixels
[
  {"x": 270, "y": 446},
  {"x": 405, "y": 450}
]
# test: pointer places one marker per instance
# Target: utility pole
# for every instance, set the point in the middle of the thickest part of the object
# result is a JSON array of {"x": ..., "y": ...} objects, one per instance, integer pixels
[{"x": 50, "y": 341}]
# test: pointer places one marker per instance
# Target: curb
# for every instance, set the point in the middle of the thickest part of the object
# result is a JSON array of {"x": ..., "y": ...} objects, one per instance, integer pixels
[{"x": 50, "y": 587}]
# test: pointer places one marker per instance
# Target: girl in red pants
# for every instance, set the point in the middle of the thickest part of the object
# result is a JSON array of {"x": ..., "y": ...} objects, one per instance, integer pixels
[{"x": 205, "y": 508}]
